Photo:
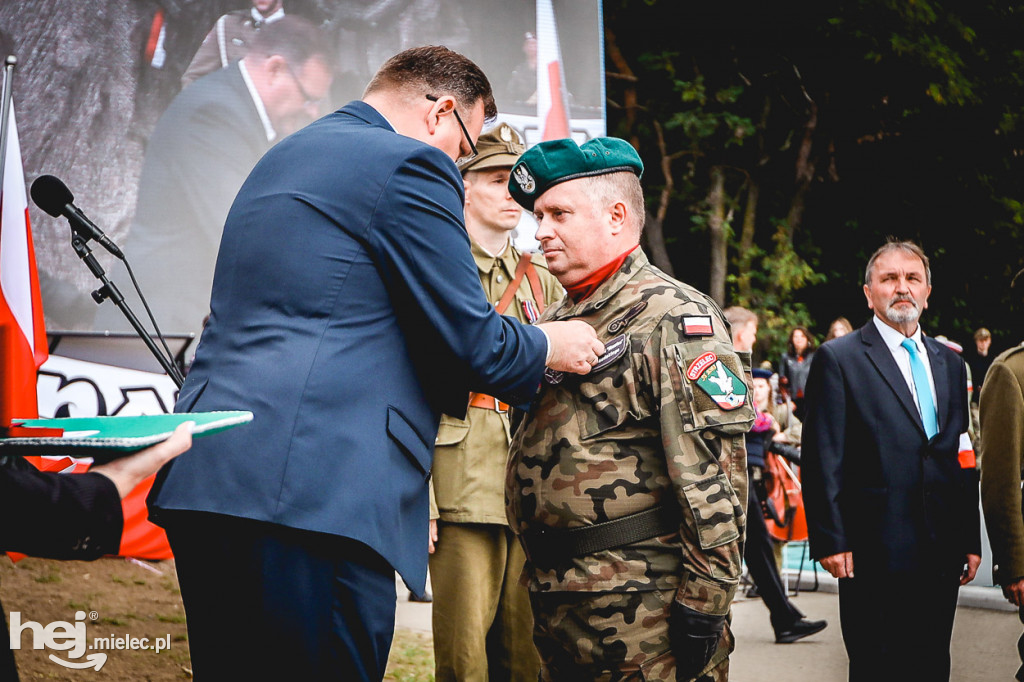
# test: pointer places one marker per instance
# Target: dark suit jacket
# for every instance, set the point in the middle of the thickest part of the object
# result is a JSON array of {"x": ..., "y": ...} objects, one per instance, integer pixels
[
  {"x": 72, "y": 516},
  {"x": 202, "y": 149},
  {"x": 873, "y": 483},
  {"x": 347, "y": 315},
  {"x": 58, "y": 516}
]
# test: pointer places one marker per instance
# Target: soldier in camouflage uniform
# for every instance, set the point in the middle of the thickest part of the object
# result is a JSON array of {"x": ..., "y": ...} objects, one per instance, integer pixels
[
  {"x": 481, "y": 617},
  {"x": 627, "y": 485}
]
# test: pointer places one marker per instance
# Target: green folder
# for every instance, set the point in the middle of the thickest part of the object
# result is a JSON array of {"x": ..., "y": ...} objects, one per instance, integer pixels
[{"x": 108, "y": 438}]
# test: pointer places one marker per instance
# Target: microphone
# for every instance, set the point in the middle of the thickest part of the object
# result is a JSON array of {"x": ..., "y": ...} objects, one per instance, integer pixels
[{"x": 54, "y": 197}]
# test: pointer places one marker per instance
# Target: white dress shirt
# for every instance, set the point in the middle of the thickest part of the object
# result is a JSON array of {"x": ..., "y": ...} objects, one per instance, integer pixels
[{"x": 893, "y": 340}]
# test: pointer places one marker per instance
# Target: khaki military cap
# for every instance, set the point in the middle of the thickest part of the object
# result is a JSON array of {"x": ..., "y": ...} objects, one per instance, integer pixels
[{"x": 500, "y": 147}]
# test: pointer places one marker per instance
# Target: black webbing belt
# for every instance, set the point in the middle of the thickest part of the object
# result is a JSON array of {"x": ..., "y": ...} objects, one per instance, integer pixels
[{"x": 551, "y": 547}]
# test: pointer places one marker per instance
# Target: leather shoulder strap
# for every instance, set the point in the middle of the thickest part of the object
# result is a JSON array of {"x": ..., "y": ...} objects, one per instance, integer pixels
[
  {"x": 534, "y": 279},
  {"x": 510, "y": 291}
]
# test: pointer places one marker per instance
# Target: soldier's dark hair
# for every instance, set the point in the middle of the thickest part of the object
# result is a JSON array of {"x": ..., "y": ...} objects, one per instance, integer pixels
[
  {"x": 294, "y": 38},
  {"x": 893, "y": 244},
  {"x": 436, "y": 70}
]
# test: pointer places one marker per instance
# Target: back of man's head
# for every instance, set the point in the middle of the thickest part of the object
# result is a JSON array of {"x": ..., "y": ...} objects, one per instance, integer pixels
[
  {"x": 740, "y": 322},
  {"x": 435, "y": 70},
  {"x": 294, "y": 38}
]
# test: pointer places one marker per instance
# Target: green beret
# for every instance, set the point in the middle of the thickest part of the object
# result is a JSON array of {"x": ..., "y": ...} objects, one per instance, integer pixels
[
  {"x": 548, "y": 163},
  {"x": 498, "y": 148}
]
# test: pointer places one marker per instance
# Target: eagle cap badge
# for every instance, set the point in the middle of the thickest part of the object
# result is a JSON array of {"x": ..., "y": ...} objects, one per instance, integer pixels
[{"x": 521, "y": 174}]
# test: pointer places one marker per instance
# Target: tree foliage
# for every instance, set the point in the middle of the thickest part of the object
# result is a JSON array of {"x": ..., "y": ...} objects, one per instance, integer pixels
[{"x": 785, "y": 141}]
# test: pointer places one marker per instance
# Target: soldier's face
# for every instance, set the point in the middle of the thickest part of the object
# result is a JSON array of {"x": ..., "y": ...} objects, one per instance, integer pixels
[
  {"x": 267, "y": 7},
  {"x": 488, "y": 202},
  {"x": 577, "y": 235}
]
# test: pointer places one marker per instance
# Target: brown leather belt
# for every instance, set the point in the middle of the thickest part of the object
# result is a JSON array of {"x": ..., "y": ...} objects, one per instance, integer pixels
[{"x": 487, "y": 402}]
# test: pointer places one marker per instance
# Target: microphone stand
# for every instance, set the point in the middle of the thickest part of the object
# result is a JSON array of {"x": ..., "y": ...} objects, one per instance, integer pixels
[{"x": 110, "y": 290}]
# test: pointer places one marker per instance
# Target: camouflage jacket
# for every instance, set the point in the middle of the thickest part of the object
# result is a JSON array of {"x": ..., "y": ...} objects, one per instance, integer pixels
[{"x": 664, "y": 424}]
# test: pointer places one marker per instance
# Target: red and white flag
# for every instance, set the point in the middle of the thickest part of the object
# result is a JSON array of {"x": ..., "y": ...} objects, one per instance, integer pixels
[
  {"x": 22, "y": 332},
  {"x": 552, "y": 96}
]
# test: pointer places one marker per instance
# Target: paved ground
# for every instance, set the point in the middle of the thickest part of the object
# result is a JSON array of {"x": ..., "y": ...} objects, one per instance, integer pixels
[{"x": 983, "y": 648}]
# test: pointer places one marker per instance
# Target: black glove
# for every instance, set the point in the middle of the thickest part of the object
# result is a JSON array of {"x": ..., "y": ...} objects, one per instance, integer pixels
[
  {"x": 790, "y": 452},
  {"x": 694, "y": 637}
]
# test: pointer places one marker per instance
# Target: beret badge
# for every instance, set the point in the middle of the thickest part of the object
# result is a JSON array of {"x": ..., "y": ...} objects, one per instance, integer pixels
[{"x": 523, "y": 178}]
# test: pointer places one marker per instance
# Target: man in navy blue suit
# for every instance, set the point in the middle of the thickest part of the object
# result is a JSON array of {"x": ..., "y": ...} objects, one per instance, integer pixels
[
  {"x": 202, "y": 149},
  {"x": 347, "y": 315},
  {"x": 891, "y": 495}
]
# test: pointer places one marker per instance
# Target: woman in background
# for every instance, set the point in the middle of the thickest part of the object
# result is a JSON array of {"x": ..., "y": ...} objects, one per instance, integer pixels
[
  {"x": 794, "y": 367},
  {"x": 839, "y": 327}
]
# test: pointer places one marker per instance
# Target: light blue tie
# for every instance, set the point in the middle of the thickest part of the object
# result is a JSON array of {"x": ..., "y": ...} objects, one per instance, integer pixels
[{"x": 924, "y": 390}]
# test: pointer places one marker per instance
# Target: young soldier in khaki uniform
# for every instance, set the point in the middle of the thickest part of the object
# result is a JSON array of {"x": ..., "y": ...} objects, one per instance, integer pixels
[
  {"x": 1002, "y": 460},
  {"x": 483, "y": 629},
  {"x": 628, "y": 486}
]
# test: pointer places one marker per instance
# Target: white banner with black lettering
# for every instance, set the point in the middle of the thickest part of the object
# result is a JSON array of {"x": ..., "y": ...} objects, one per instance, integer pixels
[{"x": 76, "y": 388}]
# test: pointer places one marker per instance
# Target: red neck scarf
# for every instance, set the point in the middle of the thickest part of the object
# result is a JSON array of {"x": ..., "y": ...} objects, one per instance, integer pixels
[{"x": 589, "y": 284}]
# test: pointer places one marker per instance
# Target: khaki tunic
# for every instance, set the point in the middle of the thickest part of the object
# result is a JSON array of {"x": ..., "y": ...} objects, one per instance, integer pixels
[
  {"x": 1002, "y": 461},
  {"x": 470, "y": 454},
  {"x": 640, "y": 433}
]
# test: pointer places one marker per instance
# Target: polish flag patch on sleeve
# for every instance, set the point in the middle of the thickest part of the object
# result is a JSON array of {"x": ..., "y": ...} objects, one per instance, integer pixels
[{"x": 697, "y": 325}]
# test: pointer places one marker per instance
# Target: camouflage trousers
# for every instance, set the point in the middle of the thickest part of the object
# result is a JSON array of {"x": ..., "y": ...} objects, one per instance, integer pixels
[{"x": 612, "y": 637}]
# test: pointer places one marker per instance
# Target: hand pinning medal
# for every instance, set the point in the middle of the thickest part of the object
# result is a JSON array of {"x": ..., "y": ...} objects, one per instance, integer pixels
[{"x": 613, "y": 350}]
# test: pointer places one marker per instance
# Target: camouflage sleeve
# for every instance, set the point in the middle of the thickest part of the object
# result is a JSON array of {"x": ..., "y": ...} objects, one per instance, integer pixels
[{"x": 703, "y": 392}]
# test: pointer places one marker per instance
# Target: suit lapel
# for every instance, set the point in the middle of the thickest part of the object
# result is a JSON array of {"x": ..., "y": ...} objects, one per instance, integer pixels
[
  {"x": 883, "y": 361},
  {"x": 939, "y": 374}
]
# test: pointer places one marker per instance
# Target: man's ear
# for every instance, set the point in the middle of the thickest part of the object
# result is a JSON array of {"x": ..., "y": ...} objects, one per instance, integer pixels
[
  {"x": 618, "y": 213},
  {"x": 867, "y": 295},
  {"x": 275, "y": 66},
  {"x": 442, "y": 107}
]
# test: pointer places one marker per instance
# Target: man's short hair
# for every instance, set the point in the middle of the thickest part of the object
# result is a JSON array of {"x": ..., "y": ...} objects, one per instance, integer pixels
[
  {"x": 622, "y": 186},
  {"x": 738, "y": 316},
  {"x": 981, "y": 334},
  {"x": 436, "y": 70},
  {"x": 908, "y": 247},
  {"x": 296, "y": 39}
]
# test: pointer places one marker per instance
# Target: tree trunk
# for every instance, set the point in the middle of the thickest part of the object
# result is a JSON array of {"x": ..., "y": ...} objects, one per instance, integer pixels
[
  {"x": 716, "y": 229},
  {"x": 804, "y": 175},
  {"x": 745, "y": 260},
  {"x": 805, "y": 167},
  {"x": 654, "y": 244}
]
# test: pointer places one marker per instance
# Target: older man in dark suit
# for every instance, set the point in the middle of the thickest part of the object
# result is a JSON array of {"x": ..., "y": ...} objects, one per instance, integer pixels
[
  {"x": 347, "y": 314},
  {"x": 891, "y": 496},
  {"x": 197, "y": 158}
]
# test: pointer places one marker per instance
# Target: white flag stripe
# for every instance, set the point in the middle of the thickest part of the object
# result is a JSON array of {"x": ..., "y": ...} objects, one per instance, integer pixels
[
  {"x": 15, "y": 273},
  {"x": 549, "y": 55}
]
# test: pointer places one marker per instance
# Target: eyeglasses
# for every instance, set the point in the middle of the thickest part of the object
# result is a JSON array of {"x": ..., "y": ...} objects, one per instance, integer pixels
[
  {"x": 472, "y": 155},
  {"x": 310, "y": 101}
]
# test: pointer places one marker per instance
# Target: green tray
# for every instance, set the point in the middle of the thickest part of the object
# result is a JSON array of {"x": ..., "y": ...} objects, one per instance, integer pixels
[{"x": 108, "y": 438}]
